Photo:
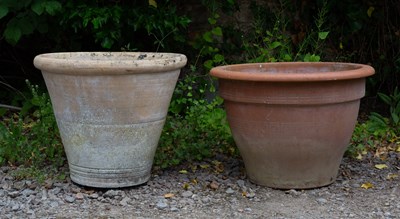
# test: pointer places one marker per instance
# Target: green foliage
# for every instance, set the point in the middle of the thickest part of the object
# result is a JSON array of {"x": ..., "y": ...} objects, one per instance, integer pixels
[
  {"x": 378, "y": 129},
  {"x": 393, "y": 101},
  {"x": 275, "y": 44},
  {"x": 80, "y": 23},
  {"x": 367, "y": 32},
  {"x": 32, "y": 139},
  {"x": 212, "y": 42},
  {"x": 195, "y": 128},
  {"x": 26, "y": 16}
]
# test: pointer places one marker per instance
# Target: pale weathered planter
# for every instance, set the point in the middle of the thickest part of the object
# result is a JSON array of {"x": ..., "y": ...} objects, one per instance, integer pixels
[
  {"x": 110, "y": 108},
  {"x": 292, "y": 122}
]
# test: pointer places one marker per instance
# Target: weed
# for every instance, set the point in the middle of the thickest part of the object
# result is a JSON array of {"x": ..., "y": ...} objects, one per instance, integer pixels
[
  {"x": 32, "y": 138},
  {"x": 378, "y": 129},
  {"x": 275, "y": 44},
  {"x": 196, "y": 128}
]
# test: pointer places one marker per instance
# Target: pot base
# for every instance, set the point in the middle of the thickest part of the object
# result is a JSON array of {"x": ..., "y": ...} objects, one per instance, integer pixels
[{"x": 112, "y": 178}]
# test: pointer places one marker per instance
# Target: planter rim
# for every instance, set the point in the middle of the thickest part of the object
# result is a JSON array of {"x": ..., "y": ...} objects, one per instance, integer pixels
[
  {"x": 293, "y": 71},
  {"x": 104, "y": 63}
]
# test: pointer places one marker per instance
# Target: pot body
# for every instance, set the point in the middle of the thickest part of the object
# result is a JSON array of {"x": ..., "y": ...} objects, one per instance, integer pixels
[
  {"x": 292, "y": 134},
  {"x": 110, "y": 109}
]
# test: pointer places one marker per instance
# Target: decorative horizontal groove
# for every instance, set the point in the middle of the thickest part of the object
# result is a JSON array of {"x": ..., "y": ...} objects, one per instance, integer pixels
[
  {"x": 291, "y": 100},
  {"x": 120, "y": 172},
  {"x": 117, "y": 124}
]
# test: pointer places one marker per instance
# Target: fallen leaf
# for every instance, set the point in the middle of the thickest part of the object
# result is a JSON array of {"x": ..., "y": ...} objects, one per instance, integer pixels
[
  {"x": 359, "y": 157},
  {"x": 367, "y": 185},
  {"x": 391, "y": 176},
  {"x": 398, "y": 149},
  {"x": 381, "y": 166},
  {"x": 194, "y": 181},
  {"x": 204, "y": 166},
  {"x": 169, "y": 195},
  {"x": 183, "y": 171}
]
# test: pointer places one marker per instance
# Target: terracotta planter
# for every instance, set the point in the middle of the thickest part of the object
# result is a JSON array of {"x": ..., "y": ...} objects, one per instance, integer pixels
[
  {"x": 110, "y": 108},
  {"x": 293, "y": 121}
]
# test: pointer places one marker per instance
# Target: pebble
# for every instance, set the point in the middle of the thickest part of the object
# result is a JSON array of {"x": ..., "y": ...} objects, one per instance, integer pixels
[
  {"x": 94, "y": 196},
  {"x": 69, "y": 199},
  {"x": 14, "y": 194},
  {"x": 27, "y": 192},
  {"x": 230, "y": 191},
  {"x": 293, "y": 192},
  {"x": 79, "y": 196},
  {"x": 54, "y": 204},
  {"x": 321, "y": 200},
  {"x": 187, "y": 194},
  {"x": 161, "y": 205},
  {"x": 228, "y": 196},
  {"x": 111, "y": 194},
  {"x": 240, "y": 183},
  {"x": 15, "y": 207},
  {"x": 125, "y": 201},
  {"x": 19, "y": 185}
]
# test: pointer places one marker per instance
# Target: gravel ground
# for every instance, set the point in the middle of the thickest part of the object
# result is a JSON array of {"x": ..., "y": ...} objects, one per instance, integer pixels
[{"x": 215, "y": 188}]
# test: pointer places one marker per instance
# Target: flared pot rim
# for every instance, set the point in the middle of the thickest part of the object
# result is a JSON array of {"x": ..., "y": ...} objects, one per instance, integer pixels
[
  {"x": 293, "y": 71},
  {"x": 98, "y": 63}
]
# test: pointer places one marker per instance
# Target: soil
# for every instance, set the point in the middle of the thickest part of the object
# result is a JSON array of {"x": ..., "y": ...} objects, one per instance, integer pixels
[{"x": 215, "y": 188}]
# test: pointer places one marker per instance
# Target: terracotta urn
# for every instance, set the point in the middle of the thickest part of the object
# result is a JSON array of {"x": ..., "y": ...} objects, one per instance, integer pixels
[
  {"x": 110, "y": 108},
  {"x": 292, "y": 122}
]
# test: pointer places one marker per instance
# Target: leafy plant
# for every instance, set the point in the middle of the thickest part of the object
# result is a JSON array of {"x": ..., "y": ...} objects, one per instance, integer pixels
[
  {"x": 378, "y": 129},
  {"x": 275, "y": 44},
  {"x": 32, "y": 139},
  {"x": 196, "y": 128},
  {"x": 393, "y": 101},
  {"x": 26, "y": 16}
]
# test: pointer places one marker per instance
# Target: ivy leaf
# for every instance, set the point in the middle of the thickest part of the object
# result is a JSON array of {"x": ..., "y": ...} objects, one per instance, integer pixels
[
  {"x": 323, "y": 35},
  {"x": 107, "y": 43},
  {"x": 207, "y": 36},
  {"x": 212, "y": 21},
  {"x": 209, "y": 64},
  {"x": 275, "y": 44},
  {"x": 12, "y": 34},
  {"x": 52, "y": 7},
  {"x": 3, "y": 11},
  {"x": 26, "y": 25},
  {"x": 217, "y": 31},
  {"x": 37, "y": 7},
  {"x": 218, "y": 58}
]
